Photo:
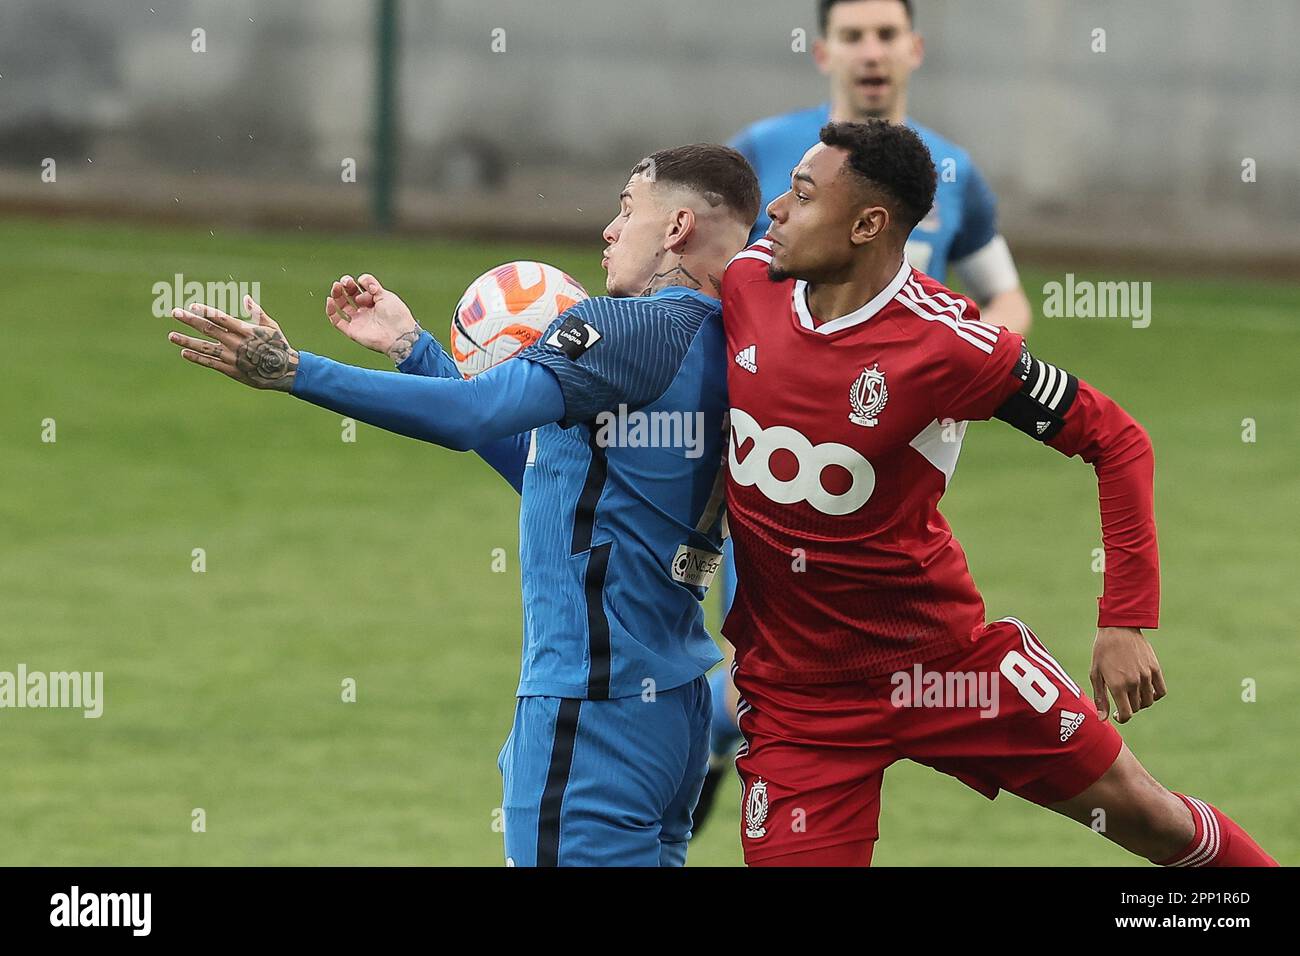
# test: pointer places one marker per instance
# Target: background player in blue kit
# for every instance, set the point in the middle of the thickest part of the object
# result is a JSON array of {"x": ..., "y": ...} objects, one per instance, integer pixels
[
  {"x": 869, "y": 49},
  {"x": 608, "y": 751}
]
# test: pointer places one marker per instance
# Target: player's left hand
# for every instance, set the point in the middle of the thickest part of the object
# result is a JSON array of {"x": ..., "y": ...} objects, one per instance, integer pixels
[
  {"x": 1124, "y": 663},
  {"x": 255, "y": 353}
]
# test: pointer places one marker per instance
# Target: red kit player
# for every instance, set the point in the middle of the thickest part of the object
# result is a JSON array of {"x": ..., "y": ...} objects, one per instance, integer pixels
[{"x": 860, "y": 637}]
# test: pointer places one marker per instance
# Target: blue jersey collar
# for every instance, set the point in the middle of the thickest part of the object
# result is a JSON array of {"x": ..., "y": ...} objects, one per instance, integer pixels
[{"x": 678, "y": 291}]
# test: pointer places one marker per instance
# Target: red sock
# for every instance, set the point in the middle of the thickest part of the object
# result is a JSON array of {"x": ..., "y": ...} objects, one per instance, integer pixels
[{"x": 1218, "y": 841}]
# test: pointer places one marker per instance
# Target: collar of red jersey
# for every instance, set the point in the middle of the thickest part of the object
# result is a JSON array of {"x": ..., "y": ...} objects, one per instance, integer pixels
[{"x": 857, "y": 316}]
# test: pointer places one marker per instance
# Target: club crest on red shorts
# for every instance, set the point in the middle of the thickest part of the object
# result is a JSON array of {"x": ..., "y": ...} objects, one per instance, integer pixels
[{"x": 756, "y": 810}]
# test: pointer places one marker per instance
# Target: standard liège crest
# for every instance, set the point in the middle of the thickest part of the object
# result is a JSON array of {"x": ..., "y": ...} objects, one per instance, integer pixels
[
  {"x": 756, "y": 810},
  {"x": 868, "y": 396}
]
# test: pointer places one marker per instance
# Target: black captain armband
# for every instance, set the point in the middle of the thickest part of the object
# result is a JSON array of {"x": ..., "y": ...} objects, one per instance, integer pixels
[{"x": 1046, "y": 394}]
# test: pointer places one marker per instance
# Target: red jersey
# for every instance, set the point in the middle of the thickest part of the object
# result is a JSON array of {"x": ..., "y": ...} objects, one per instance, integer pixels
[{"x": 844, "y": 436}]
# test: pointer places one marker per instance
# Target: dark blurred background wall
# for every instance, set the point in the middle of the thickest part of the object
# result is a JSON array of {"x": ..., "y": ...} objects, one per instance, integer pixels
[{"x": 1137, "y": 150}]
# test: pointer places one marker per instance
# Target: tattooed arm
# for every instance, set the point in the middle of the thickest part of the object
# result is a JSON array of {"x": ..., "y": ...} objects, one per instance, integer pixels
[
  {"x": 462, "y": 414},
  {"x": 370, "y": 315},
  {"x": 507, "y": 400}
]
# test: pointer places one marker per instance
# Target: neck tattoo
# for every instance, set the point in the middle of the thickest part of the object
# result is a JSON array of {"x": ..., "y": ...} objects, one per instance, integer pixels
[{"x": 677, "y": 275}]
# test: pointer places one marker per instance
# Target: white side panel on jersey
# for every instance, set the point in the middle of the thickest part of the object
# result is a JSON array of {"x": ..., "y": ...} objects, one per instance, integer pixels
[
  {"x": 988, "y": 271},
  {"x": 938, "y": 452}
]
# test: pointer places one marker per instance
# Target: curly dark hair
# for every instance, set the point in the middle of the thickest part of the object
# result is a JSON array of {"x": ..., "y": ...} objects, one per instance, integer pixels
[{"x": 891, "y": 160}]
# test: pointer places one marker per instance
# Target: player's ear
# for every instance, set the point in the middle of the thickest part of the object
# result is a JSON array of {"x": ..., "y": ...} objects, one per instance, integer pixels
[
  {"x": 918, "y": 49},
  {"x": 681, "y": 226},
  {"x": 820, "y": 56},
  {"x": 871, "y": 222}
]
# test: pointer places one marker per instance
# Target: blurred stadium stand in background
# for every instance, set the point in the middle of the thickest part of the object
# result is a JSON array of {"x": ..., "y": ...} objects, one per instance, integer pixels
[{"x": 1137, "y": 151}]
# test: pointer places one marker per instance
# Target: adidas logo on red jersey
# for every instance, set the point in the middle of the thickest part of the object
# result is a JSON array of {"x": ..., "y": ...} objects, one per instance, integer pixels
[{"x": 747, "y": 358}]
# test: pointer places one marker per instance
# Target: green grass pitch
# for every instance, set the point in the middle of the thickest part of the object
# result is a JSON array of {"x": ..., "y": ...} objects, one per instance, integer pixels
[{"x": 372, "y": 560}]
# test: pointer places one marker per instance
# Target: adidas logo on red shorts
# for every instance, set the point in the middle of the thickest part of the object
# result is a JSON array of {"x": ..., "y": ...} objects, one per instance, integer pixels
[{"x": 1070, "y": 722}]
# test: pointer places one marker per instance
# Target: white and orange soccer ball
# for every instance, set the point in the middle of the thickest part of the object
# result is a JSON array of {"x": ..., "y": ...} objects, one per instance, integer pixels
[{"x": 507, "y": 309}]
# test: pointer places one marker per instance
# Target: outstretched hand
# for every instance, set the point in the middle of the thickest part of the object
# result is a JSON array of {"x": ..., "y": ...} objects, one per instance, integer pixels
[
  {"x": 370, "y": 315},
  {"x": 255, "y": 353}
]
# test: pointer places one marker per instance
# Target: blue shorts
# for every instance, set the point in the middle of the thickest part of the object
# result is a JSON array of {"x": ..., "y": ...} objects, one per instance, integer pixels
[{"x": 605, "y": 782}]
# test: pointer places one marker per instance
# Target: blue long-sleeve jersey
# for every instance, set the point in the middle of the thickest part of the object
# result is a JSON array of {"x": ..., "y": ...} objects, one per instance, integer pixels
[
  {"x": 506, "y": 455},
  {"x": 620, "y": 520}
]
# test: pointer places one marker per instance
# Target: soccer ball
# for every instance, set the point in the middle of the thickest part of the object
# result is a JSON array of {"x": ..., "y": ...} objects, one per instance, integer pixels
[{"x": 507, "y": 309}]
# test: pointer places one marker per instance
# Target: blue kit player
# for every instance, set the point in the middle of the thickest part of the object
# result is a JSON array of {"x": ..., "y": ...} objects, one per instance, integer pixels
[
  {"x": 609, "y": 747},
  {"x": 868, "y": 49}
]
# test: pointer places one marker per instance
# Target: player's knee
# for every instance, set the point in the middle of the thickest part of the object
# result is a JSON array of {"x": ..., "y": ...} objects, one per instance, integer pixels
[
  {"x": 1170, "y": 823},
  {"x": 1147, "y": 818},
  {"x": 1158, "y": 815}
]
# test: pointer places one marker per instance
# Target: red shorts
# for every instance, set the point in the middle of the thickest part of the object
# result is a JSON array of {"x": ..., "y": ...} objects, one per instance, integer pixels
[{"x": 1000, "y": 715}]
